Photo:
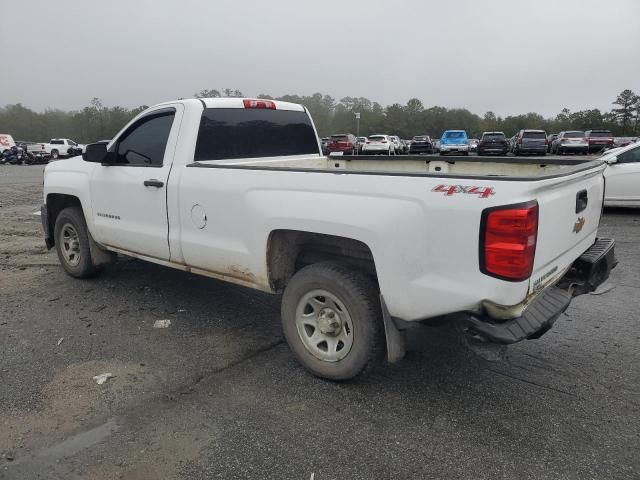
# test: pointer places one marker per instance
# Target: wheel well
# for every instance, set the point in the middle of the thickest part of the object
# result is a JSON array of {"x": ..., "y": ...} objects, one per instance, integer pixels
[
  {"x": 56, "y": 202},
  {"x": 290, "y": 250}
]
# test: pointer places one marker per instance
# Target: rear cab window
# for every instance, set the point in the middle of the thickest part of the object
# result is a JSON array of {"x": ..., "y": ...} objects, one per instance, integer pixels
[
  {"x": 574, "y": 134},
  {"x": 234, "y": 133}
]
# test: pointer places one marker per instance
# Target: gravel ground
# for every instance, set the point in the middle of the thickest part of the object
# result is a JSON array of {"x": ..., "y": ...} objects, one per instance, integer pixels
[{"x": 218, "y": 395}]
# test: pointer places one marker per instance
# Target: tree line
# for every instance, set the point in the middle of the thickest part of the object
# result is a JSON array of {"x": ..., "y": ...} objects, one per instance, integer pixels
[{"x": 97, "y": 122}]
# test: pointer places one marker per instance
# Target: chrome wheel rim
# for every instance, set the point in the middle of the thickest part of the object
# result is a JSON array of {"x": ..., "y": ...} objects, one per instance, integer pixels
[
  {"x": 324, "y": 325},
  {"x": 70, "y": 244}
]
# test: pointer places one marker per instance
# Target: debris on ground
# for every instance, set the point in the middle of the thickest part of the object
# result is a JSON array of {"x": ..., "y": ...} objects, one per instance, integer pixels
[
  {"x": 103, "y": 377},
  {"x": 60, "y": 341},
  {"x": 161, "y": 323}
]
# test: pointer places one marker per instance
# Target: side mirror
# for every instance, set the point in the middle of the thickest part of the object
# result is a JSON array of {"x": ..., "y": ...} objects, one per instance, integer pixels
[
  {"x": 96, "y": 153},
  {"x": 611, "y": 160}
]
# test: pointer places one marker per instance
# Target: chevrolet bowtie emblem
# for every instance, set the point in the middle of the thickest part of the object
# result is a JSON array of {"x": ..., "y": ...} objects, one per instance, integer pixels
[{"x": 578, "y": 225}]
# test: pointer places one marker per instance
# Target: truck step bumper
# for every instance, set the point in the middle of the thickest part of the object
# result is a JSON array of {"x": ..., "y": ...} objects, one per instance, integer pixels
[
  {"x": 588, "y": 272},
  {"x": 536, "y": 320}
]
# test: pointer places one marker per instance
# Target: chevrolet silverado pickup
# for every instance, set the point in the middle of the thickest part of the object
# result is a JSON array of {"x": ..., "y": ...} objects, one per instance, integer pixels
[{"x": 360, "y": 247}]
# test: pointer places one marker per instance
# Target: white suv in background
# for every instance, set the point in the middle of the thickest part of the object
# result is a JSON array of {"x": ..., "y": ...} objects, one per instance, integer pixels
[{"x": 376, "y": 144}]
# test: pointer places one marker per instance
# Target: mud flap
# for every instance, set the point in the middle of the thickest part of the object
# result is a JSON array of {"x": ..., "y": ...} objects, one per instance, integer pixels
[
  {"x": 100, "y": 256},
  {"x": 396, "y": 348}
]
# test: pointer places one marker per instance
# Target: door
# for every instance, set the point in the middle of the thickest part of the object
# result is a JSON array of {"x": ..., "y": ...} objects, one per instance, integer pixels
[
  {"x": 623, "y": 178},
  {"x": 128, "y": 195}
]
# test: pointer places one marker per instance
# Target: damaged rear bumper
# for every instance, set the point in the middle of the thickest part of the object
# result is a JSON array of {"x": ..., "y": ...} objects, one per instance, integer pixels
[{"x": 588, "y": 272}]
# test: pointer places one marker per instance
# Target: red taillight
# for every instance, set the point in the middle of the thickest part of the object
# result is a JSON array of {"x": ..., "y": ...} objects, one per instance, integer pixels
[
  {"x": 508, "y": 241},
  {"x": 259, "y": 104}
]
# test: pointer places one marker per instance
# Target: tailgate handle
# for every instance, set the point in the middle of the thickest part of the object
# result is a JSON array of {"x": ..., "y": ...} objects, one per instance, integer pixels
[{"x": 582, "y": 200}]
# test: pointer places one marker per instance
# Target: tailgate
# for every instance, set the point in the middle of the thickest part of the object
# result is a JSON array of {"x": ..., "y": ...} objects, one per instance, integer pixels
[{"x": 569, "y": 214}]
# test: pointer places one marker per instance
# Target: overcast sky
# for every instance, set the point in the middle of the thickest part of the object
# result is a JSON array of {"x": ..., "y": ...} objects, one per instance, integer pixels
[{"x": 508, "y": 56}]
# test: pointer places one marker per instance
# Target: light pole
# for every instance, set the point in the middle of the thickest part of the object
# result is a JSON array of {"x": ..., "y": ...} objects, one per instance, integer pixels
[{"x": 357, "y": 132}]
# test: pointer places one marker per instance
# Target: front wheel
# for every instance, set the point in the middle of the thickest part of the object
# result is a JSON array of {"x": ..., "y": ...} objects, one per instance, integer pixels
[
  {"x": 72, "y": 243},
  {"x": 331, "y": 319}
]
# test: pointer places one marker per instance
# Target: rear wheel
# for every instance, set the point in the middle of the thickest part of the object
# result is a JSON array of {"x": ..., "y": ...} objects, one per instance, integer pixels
[
  {"x": 54, "y": 154},
  {"x": 331, "y": 320},
  {"x": 72, "y": 243}
]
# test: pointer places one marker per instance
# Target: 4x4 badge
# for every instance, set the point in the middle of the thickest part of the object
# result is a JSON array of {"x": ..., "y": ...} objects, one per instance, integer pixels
[{"x": 578, "y": 225}]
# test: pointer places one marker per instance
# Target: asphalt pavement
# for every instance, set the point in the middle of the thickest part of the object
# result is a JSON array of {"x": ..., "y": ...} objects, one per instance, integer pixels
[{"x": 217, "y": 394}]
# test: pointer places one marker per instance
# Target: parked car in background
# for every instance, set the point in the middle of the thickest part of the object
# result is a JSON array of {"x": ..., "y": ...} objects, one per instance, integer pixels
[
  {"x": 623, "y": 141},
  {"x": 493, "y": 143},
  {"x": 421, "y": 144},
  {"x": 396, "y": 142},
  {"x": 473, "y": 144},
  {"x": 454, "y": 141},
  {"x": 622, "y": 176},
  {"x": 324, "y": 142},
  {"x": 345, "y": 143},
  {"x": 6, "y": 142},
  {"x": 599, "y": 139},
  {"x": 572, "y": 141},
  {"x": 530, "y": 142},
  {"x": 436, "y": 145},
  {"x": 550, "y": 138},
  {"x": 377, "y": 144},
  {"x": 57, "y": 147},
  {"x": 361, "y": 142}
]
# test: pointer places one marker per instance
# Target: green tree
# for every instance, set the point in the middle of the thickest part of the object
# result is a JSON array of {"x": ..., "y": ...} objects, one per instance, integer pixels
[{"x": 626, "y": 101}]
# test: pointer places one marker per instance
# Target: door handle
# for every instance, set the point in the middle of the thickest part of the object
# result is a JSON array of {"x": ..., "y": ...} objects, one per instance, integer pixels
[{"x": 153, "y": 183}]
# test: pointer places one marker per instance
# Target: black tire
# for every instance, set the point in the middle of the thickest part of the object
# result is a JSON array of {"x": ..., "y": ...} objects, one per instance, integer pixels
[
  {"x": 73, "y": 217},
  {"x": 359, "y": 295},
  {"x": 54, "y": 154}
]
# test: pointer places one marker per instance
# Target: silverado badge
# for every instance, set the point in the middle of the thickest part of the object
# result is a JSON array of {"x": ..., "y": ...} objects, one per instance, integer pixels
[{"x": 578, "y": 225}]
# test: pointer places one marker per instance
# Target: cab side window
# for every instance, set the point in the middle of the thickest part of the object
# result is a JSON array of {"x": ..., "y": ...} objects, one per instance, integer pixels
[
  {"x": 144, "y": 143},
  {"x": 630, "y": 156}
]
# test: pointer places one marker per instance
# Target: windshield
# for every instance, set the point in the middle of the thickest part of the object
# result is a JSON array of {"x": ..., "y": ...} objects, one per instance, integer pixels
[
  {"x": 377, "y": 138},
  {"x": 340, "y": 138},
  {"x": 420, "y": 139}
]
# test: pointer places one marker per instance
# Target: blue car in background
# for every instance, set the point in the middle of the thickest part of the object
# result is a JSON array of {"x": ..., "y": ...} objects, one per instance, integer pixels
[{"x": 454, "y": 141}]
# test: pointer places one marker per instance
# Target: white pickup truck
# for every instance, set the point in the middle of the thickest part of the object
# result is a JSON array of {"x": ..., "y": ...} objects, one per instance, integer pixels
[
  {"x": 57, "y": 147},
  {"x": 361, "y": 247}
]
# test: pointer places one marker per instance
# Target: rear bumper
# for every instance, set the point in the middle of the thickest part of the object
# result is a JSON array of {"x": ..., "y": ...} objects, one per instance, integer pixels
[
  {"x": 494, "y": 149},
  {"x": 381, "y": 148},
  {"x": 588, "y": 272},
  {"x": 532, "y": 149},
  {"x": 573, "y": 146},
  {"x": 454, "y": 148},
  {"x": 421, "y": 149}
]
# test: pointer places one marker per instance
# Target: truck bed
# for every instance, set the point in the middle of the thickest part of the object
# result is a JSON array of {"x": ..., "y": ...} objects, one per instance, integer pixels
[{"x": 509, "y": 168}]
